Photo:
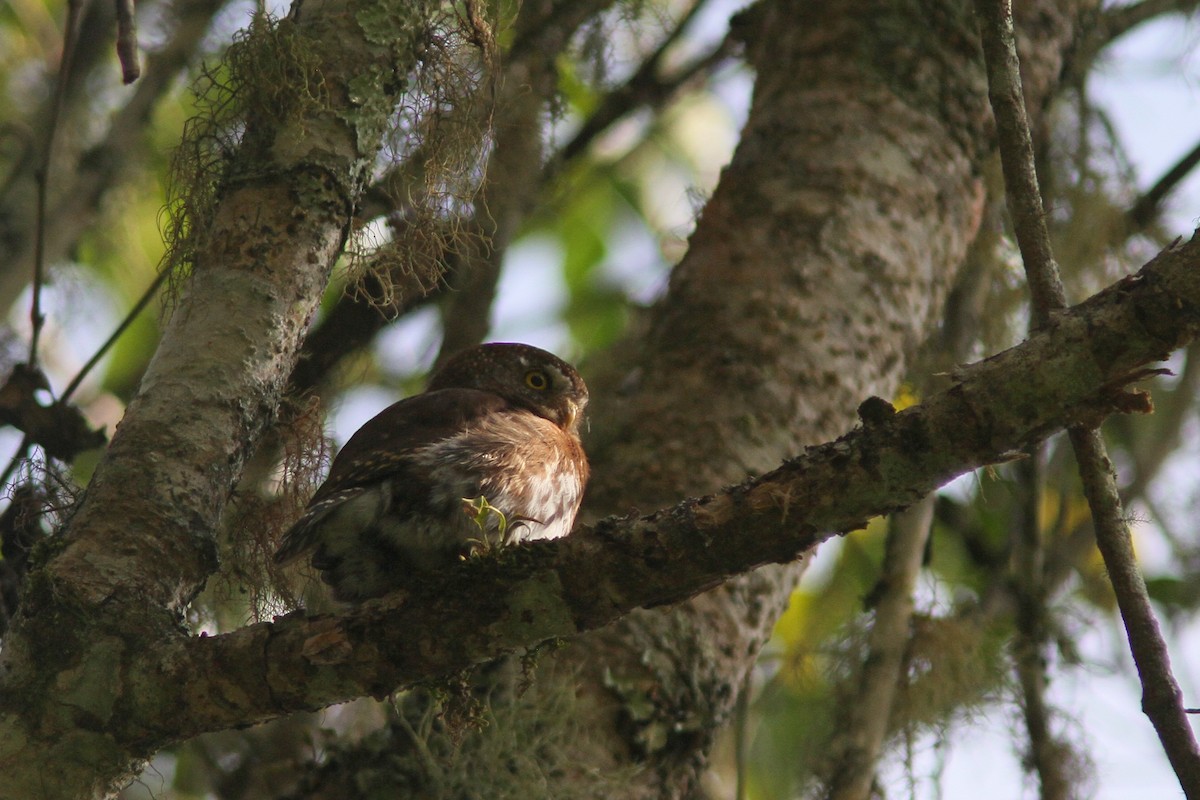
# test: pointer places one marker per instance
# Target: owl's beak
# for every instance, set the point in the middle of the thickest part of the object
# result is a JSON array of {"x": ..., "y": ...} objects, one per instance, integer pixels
[{"x": 574, "y": 412}]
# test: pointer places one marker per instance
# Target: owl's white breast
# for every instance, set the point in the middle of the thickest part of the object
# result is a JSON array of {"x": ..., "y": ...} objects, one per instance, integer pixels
[{"x": 521, "y": 464}]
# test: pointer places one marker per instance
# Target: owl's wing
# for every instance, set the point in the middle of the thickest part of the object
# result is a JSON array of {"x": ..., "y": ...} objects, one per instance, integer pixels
[
  {"x": 382, "y": 449},
  {"x": 303, "y": 534},
  {"x": 382, "y": 446}
]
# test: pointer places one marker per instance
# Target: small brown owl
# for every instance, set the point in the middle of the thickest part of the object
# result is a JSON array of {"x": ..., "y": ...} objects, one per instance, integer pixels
[{"x": 498, "y": 422}]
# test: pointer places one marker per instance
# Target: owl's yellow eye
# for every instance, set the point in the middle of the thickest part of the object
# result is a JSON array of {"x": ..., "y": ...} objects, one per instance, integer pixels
[{"x": 536, "y": 379}]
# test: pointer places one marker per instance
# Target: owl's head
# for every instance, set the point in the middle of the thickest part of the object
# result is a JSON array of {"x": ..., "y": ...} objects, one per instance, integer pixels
[{"x": 523, "y": 375}]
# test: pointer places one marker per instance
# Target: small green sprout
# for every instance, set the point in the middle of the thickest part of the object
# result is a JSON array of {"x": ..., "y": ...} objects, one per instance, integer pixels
[{"x": 482, "y": 514}]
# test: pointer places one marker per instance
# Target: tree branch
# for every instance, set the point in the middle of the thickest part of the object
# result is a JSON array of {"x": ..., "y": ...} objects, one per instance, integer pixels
[
  {"x": 1114, "y": 22},
  {"x": 1027, "y": 576},
  {"x": 1016, "y": 149},
  {"x": 646, "y": 87},
  {"x": 1161, "y": 697},
  {"x": 860, "y": 740},
  {"x": 1143, "y": 212},
  {"x": 1162, "y": 700},
  {"x": 127, "y": 43},
  {"x": 1070, "y": 373}
]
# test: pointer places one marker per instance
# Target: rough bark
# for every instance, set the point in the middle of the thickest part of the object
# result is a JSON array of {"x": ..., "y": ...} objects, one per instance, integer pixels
[{"x": 815, "y": 269}]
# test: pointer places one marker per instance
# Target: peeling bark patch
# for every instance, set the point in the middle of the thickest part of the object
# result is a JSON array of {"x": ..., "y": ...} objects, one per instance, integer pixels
[{"x": 327, "y": 647}]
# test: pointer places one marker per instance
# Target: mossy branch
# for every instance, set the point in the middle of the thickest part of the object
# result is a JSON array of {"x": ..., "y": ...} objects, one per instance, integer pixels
[{"x": 1071, "y": 372}]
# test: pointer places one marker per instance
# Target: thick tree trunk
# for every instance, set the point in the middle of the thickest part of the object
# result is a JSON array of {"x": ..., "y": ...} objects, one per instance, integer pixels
[
  {"x": 141, "y": 543},
  {"x": 816, "y": 269}
]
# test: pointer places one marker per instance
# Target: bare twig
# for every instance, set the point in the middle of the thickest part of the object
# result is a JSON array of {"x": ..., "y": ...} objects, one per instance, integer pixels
[
  {"x": 137, "y": 309},
  {"x": 1143, "y": 212},
  {"x": 1113, "y": 23},
  {"x": 1119, "y": 20},
  {"x": 1028, "y": 577},
  {"x": 19, "y": 456},
  {"x": 1017, "y": 159},
  {"x": 646, "y": 87},
  {"x": 127, "y": 44},
  {"x": 86, "y": 176},
  {"x": 75, "y": 9},
  {"x": 1161, "y": 697},
  {"x": 861, "y": 741}
]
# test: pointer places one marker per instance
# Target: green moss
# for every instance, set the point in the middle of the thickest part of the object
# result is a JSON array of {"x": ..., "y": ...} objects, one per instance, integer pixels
[
  {"x": 271, "y": 78},
  {"x": 537, "y": 607},
  {"x": 390, "y": 23}
]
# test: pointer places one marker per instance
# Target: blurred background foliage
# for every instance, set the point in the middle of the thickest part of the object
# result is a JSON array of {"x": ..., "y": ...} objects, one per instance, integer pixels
[{"x": 645, "y": 111}]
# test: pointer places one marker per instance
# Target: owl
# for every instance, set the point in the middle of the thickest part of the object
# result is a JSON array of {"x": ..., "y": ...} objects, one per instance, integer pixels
[{"x": 491, "y": 447}]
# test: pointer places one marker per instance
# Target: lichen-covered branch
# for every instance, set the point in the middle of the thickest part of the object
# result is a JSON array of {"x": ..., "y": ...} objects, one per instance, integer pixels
[
  {"x": 527, "y": 77},
  {"x": 1072, "y": 372},
  {"x": 261, "y": 245}
]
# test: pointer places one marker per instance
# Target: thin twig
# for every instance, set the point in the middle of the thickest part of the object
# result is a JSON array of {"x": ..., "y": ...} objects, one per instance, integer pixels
[
  {"x": 75, "y": 9},
  {"x": 1143, "y": 212},
  {"x": 1017, "y": 159},
  {"x": 1162, "y": 700},
  {"x": 19, "y": 456},
  {"x": 644, "y": 88},
  {"x": 127, "y": 43},
  {"x": 1113, "y": 23},
  {"x": 1046, "y": 295},
  {"x": 1028, "y": 577},
  {"x": 867, "y": 721},
  {"x": 141, "y": 304},
  {"x": 90, "y": 174},
  {"x": 1119, "y": 20},
  {"x": 1161, "y": 697}
]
